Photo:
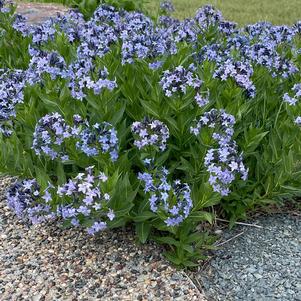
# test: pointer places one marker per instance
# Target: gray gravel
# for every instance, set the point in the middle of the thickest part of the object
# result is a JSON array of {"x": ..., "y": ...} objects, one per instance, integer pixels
[
  {"x": 260, "y": 265},
  {"x": 50, "y": 263}
]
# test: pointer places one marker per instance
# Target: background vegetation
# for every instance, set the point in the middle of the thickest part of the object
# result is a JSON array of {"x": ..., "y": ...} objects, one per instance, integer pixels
[{"x": 240, "y": 11}]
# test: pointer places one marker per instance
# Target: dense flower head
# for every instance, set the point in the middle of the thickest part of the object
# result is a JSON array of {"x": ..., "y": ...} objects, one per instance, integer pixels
[
  {"x": 240, "y": 72},
  {"x": 178, "y": 80},
  {"x": 227, "y": 28},
  {"x": 186, "y": 31},
  {"x": 106, "y": 14},
  {"x": 169, "y": 23},
  {"x": 83, "y": 74},
  {"x": 83, "y": 199},
  {"x": 213, "y": 52},
  {"x": 167, "y": 6},
  {"x": 96, "y": 138},
  {"x": 44, "y": 32},
  {"x": 266, "y": 55},
  {"x": 141, "y": 39},
  {"x": 96, "y": 40},
  {"x": 258, "y": 31},
  {"x": 71, "y": 24},
  {"x": 218, "y": 120},
  {"x": 11, "y": 93},
  {"x": 207, "y": 16},
  {"x": 49, "y": 136},
  {"x": 28, "y": 202},
  {"x": 43, "y": 62},
  {"x": 20, "y": 25},
  {"x": 149, "y": 133},
  {"x": 172, "y": 199},
  {"x": 223, "y": 163},
  {"x": 136, "y": 37}
]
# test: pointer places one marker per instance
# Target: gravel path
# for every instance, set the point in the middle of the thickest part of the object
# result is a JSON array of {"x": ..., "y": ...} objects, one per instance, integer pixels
[
  {"x": 260, "y": 265},
  {"x": 49, "y": 263}
]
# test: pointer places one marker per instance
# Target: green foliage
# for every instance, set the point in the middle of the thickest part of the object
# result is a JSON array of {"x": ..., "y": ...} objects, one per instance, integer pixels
[{"x": 264, "y": 131}]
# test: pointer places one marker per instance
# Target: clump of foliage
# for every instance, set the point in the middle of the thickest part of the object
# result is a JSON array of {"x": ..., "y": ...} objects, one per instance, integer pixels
[{"x": 121, "y": 119}]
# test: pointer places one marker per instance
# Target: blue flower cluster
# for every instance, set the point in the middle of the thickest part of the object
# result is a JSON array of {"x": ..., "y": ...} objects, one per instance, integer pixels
[
  {"x": 150, "y": 133},
  {"x": 11, "y": 94},
  {"x": 239, "y": 71},
  {"x": 51, "y": 133},
  {"x": 49, "y": 136},
  {"x": 292, "y": 100},
  {"x": 167, "y": 6},
  {"x": 265, "y": 54},
  {"x": 235, "y": 51},
  {"x": 142, "y": 40},
  {"x": 178, "y": 80},
  {"x": 223, "y": 163},
  {"x": 4, "y": 8},
  {"x": 208, "y": 16},
  {"x": 96, "y": 138},
  {"x": 82, "y": 197},
  {"x": 84, "y": 200},
  {"x": 80, "y": 75},
  {"x": 174, "y": 200},
  {"x": 42, "y": 63},
  {"x": 25, "y": 199}
]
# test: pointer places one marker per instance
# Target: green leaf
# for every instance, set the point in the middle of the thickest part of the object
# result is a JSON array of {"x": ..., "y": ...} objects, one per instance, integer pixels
[
  {"x": 144, "y": 216},
  {"x": 253, "y": 139},
  {"x": 167, "y": 240},
  {"x": 173, "y": 258},
  {"x": 150, "y": 108},
  {"x": 198, "y": 216},
  {"x": 143, "y": 230}
]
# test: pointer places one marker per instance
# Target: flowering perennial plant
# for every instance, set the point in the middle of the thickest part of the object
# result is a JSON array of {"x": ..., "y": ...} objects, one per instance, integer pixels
[
  {"x": 177, "y": 81},
  {"x": 173, "y": 199},
  {"x": 95, "y": 139},
  {"x": 49, "y": 136},
  {"x": 240, "y": 72},
  {"x": 200, "y": 100},
  {"x": 86, "y": 202},
  {"x": 167, "y": 6},
  {"x": 294, "y": 99},
  {"x": 11, "y": 94},
  {"x": 150, "y": 133},
  {"x": 223, "y": 163},
  {"x": 24, "y": 198},
  {"x": 44, "y": 63}
]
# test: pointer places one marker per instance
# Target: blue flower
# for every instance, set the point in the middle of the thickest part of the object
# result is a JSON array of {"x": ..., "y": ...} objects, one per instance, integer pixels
[
  {"x": 50, "y": 133},
  {"x": 97, "y": 138},
  {"x": 223, "y": 163},
  {"x": 150, "y": 133},
  {"x": 174, "y": 200},
  {"x": 82, "y": 199},
  {"x": 25, "y": 199}
]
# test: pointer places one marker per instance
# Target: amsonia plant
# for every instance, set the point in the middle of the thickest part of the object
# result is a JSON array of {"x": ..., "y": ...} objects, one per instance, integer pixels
[{"x": 121, "y": 119}]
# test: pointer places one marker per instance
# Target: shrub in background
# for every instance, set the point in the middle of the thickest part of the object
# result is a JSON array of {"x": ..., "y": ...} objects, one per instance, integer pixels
[{"x": 121, "y": 119}]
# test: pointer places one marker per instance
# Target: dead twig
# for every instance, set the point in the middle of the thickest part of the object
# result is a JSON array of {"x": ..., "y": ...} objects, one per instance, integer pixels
[
  {"x": 226, "y": 241},
  {"x": 239, "y": 223},
  {"x": 197, "y": 289}
]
